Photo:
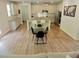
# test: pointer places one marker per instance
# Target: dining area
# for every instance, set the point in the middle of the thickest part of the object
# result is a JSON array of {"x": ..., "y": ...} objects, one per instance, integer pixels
[{"x": 39, "y": 30}]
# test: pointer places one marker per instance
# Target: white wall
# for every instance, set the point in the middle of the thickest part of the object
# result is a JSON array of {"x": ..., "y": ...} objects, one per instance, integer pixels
[
  {"x": 4, "y": 27},
  {"x": 77, "y": 35},
  {"x": 60, "y": 6},
  {"x": 39, "y": 7},
  {"x": 15, "y": 8},
  {"x": 69, "y": 24},
  {"x": 15, "y": 20}
]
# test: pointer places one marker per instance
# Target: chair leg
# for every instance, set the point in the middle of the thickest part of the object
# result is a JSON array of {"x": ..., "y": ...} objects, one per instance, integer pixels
[
  {"x": 32, "y": 37},
  {"x": 37, "y": 40},
  {"x": 46, "y": 36},
  {"x": 46, "y": 40},
  {"x": 43, "y": 40}
]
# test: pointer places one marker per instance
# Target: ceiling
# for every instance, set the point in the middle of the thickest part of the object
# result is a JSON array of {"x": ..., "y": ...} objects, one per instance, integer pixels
[{"x": 38, "y": 1}]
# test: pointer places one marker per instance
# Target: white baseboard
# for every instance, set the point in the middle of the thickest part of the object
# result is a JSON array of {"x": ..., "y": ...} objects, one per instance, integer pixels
[
  {"x": 75, "y": 38},
  {"x": 4, "y": 33}
]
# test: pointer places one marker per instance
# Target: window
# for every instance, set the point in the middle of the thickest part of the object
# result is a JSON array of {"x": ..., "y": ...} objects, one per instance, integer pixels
[{"x": 10, "y": 9}]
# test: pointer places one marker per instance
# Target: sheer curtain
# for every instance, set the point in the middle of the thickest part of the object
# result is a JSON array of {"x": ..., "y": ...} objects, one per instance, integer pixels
[{"x": 10, "y": 9}]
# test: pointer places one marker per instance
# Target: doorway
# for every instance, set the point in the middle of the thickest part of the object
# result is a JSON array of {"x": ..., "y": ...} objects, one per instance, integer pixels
[
  {"x": 58, "y": 18},
  {"x": 25, "y": 12}
]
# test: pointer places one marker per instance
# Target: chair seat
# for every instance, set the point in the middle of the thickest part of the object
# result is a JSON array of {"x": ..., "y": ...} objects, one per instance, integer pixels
[{"x": 40, "y": 34}]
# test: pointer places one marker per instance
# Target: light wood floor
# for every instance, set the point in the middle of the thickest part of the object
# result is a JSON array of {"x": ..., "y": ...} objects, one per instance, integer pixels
[{"x": 20, "y": 42}]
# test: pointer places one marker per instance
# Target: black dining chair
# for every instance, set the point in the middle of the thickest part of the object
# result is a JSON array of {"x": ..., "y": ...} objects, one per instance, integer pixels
[
  {"x": 46, "y": 31},
  {"x": 33, "y": 32},
  {"x": 39, "y": 25},
  {"x": 40, "y": 35}
]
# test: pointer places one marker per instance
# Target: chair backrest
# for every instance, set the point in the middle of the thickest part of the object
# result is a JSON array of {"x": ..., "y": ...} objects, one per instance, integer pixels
[
  {"x": 46, "y": 30},
  {"x": 39, "y": 25},
  {"x": 32, "y": 30},
  {"x": 40, "y": 34}
]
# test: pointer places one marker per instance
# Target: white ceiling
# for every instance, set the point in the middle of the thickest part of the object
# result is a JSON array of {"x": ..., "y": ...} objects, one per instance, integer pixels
[{"x": 37, "y": 1}]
